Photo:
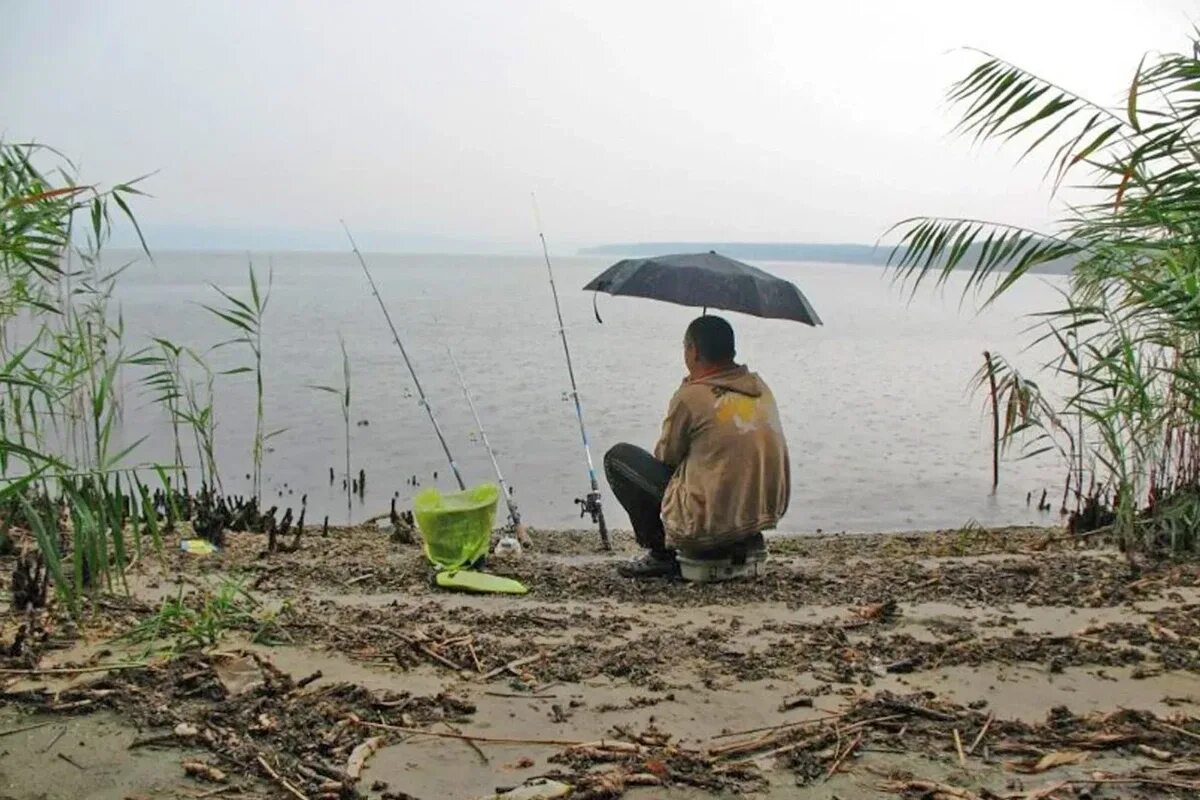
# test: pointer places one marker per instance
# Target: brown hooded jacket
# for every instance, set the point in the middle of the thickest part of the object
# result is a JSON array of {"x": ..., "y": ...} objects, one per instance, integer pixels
[{"x": 723, "y": 437}]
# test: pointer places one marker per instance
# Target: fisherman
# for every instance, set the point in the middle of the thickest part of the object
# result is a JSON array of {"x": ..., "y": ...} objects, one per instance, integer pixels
[{"x": 719, "y": 475}]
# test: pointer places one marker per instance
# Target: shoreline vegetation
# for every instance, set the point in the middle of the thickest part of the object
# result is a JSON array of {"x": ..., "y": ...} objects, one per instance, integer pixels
[{"x": 307, "y": 662}]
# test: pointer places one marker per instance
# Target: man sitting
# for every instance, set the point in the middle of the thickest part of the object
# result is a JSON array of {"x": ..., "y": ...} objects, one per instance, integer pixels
[{"x": 719, "y": 475}]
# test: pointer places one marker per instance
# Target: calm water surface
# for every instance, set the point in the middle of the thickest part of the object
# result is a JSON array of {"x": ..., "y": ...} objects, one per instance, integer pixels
[{"x": 884, "y": 434}]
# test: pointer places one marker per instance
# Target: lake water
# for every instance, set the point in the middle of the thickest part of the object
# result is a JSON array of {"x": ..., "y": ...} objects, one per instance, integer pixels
[{"x": 883, "y": 432}]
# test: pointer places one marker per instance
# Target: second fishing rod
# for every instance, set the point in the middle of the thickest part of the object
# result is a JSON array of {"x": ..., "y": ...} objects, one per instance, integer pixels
[{"x": 589, "y": 505}]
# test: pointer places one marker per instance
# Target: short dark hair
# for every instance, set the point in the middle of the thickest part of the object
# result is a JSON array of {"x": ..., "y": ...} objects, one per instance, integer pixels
[{"x": 713, "y": 339}]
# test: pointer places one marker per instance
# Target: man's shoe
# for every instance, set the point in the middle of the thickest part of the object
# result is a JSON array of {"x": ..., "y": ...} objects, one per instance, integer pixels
[{"x": 651, "y": 565}]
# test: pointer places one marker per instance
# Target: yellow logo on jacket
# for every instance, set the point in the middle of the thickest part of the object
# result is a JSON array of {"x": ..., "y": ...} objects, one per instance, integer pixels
[{"x": 739, "y": 409}]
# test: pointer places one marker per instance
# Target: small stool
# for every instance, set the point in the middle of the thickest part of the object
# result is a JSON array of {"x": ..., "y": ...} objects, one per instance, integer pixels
[{"x": 744, "y": 559}]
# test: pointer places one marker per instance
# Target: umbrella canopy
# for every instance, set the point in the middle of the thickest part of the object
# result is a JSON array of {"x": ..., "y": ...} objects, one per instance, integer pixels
[{"x": 707, "y": 280}]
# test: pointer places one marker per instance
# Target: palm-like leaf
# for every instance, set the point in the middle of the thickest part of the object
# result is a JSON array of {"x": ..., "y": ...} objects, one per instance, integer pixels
[{"x": 1129, "y": 330}]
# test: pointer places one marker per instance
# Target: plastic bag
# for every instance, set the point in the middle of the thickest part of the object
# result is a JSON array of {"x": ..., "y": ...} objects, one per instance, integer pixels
[{"x": 456, "y": 528}]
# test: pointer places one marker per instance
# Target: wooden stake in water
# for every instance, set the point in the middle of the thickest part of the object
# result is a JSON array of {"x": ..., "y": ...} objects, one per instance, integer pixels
[{"x": 416, "y": 381}]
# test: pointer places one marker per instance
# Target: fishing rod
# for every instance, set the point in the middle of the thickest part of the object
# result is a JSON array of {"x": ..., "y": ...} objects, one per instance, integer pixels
[
  {"x": 396, "y": 336},
  {"x": 591, "y": 503},
  {"x": 514, "y": 515}
]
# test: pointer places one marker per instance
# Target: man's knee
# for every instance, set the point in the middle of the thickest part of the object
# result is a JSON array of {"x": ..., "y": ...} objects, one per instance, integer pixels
[{"x": 620, "y": 453}]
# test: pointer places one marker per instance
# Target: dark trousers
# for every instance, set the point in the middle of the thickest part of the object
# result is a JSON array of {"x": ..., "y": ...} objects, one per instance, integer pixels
[{"x": 638, "y": 481}]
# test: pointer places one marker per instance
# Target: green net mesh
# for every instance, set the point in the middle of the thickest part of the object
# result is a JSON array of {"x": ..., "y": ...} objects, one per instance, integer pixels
[{"x": 456, "y": 528}]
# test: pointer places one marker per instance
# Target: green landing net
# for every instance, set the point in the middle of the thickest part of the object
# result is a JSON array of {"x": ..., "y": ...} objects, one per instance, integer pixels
[{"x": 456, "y": 528}]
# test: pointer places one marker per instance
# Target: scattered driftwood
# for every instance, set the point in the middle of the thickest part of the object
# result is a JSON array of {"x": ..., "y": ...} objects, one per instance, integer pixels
[
  {"x": 204, "y": 772},
  {"x": 1179, "y": 730},
  {"x": 442, "y": 735},
  {"x": 838, "y": 759},
  {"x": 930, "y": 789},
  {"x": 478, "y": 752},
  {"x": 512, "y": 666},
  {"x": 933, "y": 790},
  {"x": 419, "y": 643},
  {"x": 982, "y": 732},
  {"x": 783, "y": 741},
  {"x": 35, "y": 673},
  {"x": 782, "y": 726},
  {"x": 12, "y": 731},
  {"x": 791, "y": 703},
  {"x": 280, "y": 780},
  {"x": 878, "y": 611},
  {"x": 1058, "y": 758},
  {"x": 72, "y": 762},
  {"x": 360, "y": 754}
]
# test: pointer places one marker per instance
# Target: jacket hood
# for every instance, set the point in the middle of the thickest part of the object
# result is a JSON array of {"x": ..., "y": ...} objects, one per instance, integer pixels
[{"x": 739, "y": 379}]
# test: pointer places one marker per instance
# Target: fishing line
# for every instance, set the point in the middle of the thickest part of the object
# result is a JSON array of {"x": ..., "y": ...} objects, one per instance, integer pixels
[
  {"x": 396, "y": 336},
  {"x": 589, "y": 505}
]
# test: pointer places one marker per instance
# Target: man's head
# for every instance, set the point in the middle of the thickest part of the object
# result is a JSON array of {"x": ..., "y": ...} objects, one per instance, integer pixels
[{"x": 708, "y": 342}]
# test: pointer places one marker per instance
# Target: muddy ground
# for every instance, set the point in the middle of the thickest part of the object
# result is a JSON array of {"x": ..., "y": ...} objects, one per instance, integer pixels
[{"x": 1010, "y": 663}]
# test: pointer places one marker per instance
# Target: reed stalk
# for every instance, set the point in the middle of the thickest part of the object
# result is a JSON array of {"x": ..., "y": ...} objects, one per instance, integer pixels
[
  {"x": 343, "y": 395},
  {"x": 245, "y": 318}
]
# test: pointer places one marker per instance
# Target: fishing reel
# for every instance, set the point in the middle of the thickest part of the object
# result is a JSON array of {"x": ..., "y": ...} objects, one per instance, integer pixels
[{"x": 590, "y": 505}]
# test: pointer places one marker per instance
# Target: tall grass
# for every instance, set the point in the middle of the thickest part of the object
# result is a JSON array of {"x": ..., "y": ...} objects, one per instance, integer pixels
[
  {"x": 187, "y": 398},
  {"x": 343, "y": 395},
  {"x": 68, "y": 479},
  {"x": 1128, "y": 330},
  {"x": 66, "y": 476},
  {"x": 245, "y": 317},
  {"x": 166, "y": 381}
]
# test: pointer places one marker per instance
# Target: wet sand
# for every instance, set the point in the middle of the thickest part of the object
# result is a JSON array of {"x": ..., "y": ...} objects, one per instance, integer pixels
[{"x": 1019, "y": 637}]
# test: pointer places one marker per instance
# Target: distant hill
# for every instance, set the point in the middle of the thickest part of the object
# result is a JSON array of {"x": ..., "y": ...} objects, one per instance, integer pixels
[
  {"x": 776, "y": 251},
  {"x": 761, "y": 251}
]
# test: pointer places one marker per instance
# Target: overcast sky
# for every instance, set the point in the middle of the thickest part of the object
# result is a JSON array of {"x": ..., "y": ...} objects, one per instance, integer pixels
[{"x": 633, "y": 121}]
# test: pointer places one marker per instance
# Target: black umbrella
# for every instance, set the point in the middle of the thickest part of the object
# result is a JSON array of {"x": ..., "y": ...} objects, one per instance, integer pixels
[{"x": 706, "y": 280}]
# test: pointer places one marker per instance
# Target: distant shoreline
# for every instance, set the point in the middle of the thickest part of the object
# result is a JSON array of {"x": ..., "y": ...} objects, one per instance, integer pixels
[
  {"x": 863, "y": 254},
  {"x": 759, "y": 251}
]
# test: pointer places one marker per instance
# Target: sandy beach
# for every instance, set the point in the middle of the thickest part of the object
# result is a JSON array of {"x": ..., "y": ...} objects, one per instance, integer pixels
[{"x": 988, "y": 663}]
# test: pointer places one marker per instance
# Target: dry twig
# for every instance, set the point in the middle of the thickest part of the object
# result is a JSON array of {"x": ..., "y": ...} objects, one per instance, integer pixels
[
  {"x": 72, "y": 670},
  {"x": 982, "y": 732},
  {"x": 512, "y": 665},
  {"x": 837, "y": 762},
  {"x": 930, "y": 789},
  {"x": 279, "y": 779},
  {"x": 1177, "y": 729},
  {"x": 490, "y": 739},
  {"x": 26, "y": 728}
]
